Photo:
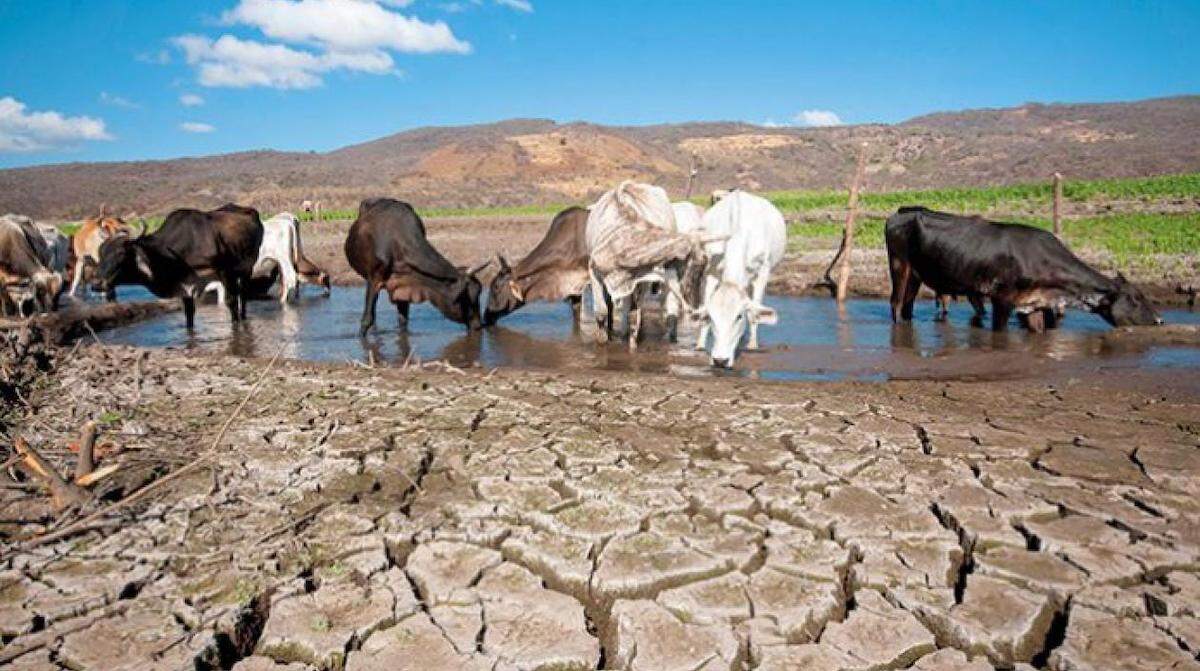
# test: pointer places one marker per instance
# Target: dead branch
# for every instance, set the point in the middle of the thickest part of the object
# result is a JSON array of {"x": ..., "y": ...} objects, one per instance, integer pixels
[
  {"x": 64, "y": 494},
  {"x": 87, "y": 443},
  {"x": 145, "y": 491}
]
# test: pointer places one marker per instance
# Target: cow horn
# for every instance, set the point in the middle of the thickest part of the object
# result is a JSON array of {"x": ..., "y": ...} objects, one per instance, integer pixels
[
  {"x": 141, "y": 228},
  {"x": 706, "y": 238},
  {"x": 479, "y": 267},
  {"x": 504, "y": 267},
  {"x": 516, "y": 290}
]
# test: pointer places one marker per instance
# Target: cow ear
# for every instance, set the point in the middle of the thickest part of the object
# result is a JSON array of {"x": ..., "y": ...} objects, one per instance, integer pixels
[
  {"x": 143, "y": 262},
  {"x": 762, "y": 314}
]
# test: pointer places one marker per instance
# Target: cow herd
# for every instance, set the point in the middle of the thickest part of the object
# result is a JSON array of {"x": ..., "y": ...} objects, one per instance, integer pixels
[{"x": 710, "y": 267}]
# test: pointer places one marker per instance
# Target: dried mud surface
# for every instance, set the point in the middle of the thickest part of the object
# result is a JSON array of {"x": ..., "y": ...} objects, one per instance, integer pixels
[{"x": 411, "y": 519}]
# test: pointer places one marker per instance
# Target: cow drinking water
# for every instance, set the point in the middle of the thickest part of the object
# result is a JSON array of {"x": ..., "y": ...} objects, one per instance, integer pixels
[
  {"x": 1020, "y": 268},
  {"x": 556, "y": 269},
  {"x": 191, "y": 249},
  {"x": 388, "y": 248},
  {"x": 739, "y": 268}
]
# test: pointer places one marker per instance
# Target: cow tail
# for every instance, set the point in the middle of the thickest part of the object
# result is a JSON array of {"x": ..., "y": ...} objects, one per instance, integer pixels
[{"x": 295, "y": 242}]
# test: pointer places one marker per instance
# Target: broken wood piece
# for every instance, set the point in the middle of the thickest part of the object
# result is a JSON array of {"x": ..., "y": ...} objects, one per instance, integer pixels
[
  {"x": 97, "y": 475},
  {"x": 87, "y": 443},
  {"x": 64, "y": 494}
]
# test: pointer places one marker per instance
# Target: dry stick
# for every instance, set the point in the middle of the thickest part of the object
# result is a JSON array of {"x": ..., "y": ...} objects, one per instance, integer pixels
[
  {"x": 1058, "y": 204},
  {"x": 843, "y": 282},
  {"x": 841, "y": 256},
  {"x": 173, "y": 475},
  {"x": 64, "y": 493},
  {"x": 87, "y": 443}
]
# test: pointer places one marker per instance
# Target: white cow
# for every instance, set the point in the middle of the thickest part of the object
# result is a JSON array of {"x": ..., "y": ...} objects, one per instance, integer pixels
[
  {"x": 689, "y": 217},
  {"x": 280, "y": 244},
  {"x": 738, "y": 272},
  {"x": 632, "y": 241}
]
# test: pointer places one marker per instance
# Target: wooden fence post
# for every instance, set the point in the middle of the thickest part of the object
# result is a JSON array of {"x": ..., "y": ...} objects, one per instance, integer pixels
[
  {"x": 843, "y": 281},
  {"x": 692, "y": 172},
  {"x": 1058, "y": 204}
]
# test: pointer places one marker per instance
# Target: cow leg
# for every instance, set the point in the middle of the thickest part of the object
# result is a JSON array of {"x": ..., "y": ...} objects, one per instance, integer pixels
[
  {"x": 710, "y": 285},
  {"x": 943, "y": 308},
  {"x": 635, "y": 326},
  {"x": 1001, "y": 311},
  {"x": 899, "y": 271},
  {"x": 601, "y": 307},
  {"x": 758, "y": 291},
  {"x": 368, "y": 316},
  {"x": 672, "y": 304},
  {"x": 75, "y": 281},
  {"x": 189, "y": 309},
  {"x": 402, "y": 313},
  {"x": 229, "y": 284},
  {"x": 243, "y": 289},
  {"x": 1034, "y": 322},
  {"x": 1052, "y": 318},
  {"x": 977, "y": 305},
  {"x": 576, "y": 305},
  {"x": 912, "y": 287}
]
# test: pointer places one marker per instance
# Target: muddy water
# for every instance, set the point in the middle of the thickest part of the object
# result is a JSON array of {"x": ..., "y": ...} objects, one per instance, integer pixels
[{"x": 814, "y": 340}]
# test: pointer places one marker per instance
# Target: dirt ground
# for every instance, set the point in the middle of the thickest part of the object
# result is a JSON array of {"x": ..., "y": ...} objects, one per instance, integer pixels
[
  {"x": 468, "y": 240},
  {"x": 432, "y": 518}
]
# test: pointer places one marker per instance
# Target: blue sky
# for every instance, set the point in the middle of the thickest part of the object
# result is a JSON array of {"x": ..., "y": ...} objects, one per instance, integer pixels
[{"x": 88, "y": 80}]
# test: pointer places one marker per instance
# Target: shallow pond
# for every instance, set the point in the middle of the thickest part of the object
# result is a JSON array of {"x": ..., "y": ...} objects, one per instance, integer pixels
[{"x": 814, "y": 340}]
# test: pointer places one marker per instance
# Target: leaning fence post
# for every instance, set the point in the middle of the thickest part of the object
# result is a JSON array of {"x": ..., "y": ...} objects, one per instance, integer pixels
[
  {"x": 1058, "y": 204},
  {"x": 843, "y": 281},
  {"x": 692, "y": 172}
]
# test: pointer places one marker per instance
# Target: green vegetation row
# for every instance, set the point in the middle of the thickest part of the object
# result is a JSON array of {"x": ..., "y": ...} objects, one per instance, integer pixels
[
  {"x": 998, "y": 198},
  {"x": 1123, "y": 235}
]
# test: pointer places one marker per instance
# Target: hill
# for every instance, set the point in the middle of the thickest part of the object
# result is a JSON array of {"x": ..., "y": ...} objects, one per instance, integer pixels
[{"x": 539, "y": 161}]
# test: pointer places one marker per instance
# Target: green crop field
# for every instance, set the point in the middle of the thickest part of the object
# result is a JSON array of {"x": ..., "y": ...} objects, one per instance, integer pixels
[{"x": 1123, "y": 235}]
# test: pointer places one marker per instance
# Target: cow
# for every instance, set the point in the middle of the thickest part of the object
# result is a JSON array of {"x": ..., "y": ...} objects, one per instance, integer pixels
[
  {"x": 632, "y": 241},
  {"x": 189, "y": 250},
  {"x": 387, "y": 246},
  {"x": 1019, "y": 268},
  {"x": 739, "y": 269},
  {"x": 25, "y": 263},
  {"x": 307, "y": 272},
  {"x": 85, "y": 245},
  {"x": 556, "y": 269},
  {"x": 689, "y": 218},
  {"x": 278, "y": 257}
]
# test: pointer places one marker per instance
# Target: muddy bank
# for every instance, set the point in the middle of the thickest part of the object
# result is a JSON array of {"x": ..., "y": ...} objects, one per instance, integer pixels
[
  {"x": 77, "y": 319},
  {"x": 422, "y": 518},
  {"x": 468, "y": 240}
]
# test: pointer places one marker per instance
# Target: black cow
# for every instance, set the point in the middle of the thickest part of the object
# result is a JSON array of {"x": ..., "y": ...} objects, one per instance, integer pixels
[
  {"x": 191, "y": 249},
  {"x": 555, "y": 270},
  {"x": 1020, "y": 268},
  {"x": 388, "y": 248}
]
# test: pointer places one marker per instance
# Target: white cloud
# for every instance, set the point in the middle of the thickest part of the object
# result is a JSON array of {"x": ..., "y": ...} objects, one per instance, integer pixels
[
  {"x": 160, "y": 57},
  {"x": 817, "y": 118},
  {"x": 233, "y": 62},
  {"x": 519, "y": 5},
  {"x": 22, "y": 130},
  {"x": 345, "y": 26},
  {"x": 196, "y": 127},
  {"x": 117, "y": 101},
  {"x": 191, "y": 100}
]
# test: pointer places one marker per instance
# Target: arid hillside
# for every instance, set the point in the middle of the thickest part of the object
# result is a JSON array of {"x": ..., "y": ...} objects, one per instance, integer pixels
[{"x": 539, "y": 161}]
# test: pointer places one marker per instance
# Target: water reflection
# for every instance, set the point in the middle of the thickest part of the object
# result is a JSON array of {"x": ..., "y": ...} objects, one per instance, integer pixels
[{"x": 815, "y": 339}]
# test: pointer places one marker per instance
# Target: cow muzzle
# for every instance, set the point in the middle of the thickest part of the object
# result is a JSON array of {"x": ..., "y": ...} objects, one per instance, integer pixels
[{"x": 721, "y": 363}]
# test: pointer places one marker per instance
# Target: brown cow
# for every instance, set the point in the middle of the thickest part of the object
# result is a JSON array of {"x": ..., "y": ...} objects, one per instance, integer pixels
[
  {"x": 85, "y": 247},
  {"x": 555, "y": 270},
  {"x": 388, "y": 248}
]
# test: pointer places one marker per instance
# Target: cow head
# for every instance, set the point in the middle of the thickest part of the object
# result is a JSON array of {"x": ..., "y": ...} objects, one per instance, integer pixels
[
  {"x": 504, "y": 294},
  {"x": 123, "y": 260},
  {"x": 1125, "y": 305},
  {"x": 463, "y": 298},
  {"x": 728, "y": 311}
]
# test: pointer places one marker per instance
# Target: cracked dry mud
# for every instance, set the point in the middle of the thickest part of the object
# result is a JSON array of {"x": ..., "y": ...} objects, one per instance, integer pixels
[{"x": 387, "y": 519}]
